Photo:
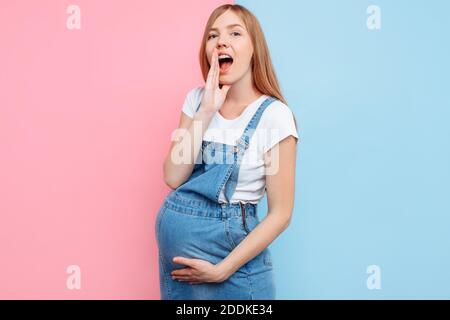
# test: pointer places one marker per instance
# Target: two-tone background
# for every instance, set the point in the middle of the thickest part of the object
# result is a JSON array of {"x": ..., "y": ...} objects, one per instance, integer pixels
[{"x": 90, "y": 91}]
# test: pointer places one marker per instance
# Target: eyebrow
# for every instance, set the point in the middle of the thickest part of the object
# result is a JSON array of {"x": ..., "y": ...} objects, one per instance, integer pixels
[{"x": 228, "y": 27}]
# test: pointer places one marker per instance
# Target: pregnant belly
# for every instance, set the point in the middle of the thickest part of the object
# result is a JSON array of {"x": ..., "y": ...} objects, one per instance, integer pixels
[{"x": 191, "y": 236}]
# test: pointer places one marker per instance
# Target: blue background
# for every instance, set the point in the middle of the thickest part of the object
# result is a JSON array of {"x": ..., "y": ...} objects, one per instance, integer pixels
[{"x": 373, "y": 167}]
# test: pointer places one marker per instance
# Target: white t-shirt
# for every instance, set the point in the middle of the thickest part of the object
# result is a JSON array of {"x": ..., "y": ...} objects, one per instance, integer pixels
[{"x": 276, "y": 123}]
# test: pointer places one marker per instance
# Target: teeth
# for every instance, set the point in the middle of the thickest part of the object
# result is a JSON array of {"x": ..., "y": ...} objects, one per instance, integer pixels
[{"x": 223, "y": 56}]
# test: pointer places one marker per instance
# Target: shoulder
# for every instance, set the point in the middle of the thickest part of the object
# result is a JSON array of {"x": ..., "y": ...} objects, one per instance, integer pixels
[
  {"x": 277, "y": 114},
  {"x": 192, "y": 99},
  {"x": 195, "y": 93},
  {"x": 277, "y": 123}
]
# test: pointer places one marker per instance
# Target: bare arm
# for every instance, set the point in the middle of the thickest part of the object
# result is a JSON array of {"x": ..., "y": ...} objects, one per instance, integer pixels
[
  {"x": 187, "y": 139},
  {"x": 280, "y": 197},
  {"x": 185, "y": 146}
]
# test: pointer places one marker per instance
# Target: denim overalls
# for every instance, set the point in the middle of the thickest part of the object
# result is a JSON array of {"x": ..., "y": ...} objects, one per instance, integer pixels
[{"x": 192, "y": 223}]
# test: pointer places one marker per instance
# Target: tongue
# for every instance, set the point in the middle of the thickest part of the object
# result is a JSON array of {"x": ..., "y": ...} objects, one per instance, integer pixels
[{"x": 225, "y": 65}]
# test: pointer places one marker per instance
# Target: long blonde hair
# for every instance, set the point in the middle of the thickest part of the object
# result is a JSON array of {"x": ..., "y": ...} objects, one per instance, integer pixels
[{"x": 263, "y": 73}]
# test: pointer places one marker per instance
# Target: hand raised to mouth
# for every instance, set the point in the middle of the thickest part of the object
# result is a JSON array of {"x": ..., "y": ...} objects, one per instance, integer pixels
[{"x": 214, "y": 97}]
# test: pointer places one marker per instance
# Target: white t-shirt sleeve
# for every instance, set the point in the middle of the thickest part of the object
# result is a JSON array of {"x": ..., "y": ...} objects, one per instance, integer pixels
[
  {"x": 278, "y": 124},
  {"x": 192, "y": 101}
]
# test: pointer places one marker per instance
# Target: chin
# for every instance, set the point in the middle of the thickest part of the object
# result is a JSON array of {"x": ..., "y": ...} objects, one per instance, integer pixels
[{"x": 226, "y": 81}]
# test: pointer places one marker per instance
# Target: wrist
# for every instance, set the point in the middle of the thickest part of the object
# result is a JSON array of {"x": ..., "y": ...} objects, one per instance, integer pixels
[
  {"x": 205, "y": 112},
  {"x": 224, "y": 270}
]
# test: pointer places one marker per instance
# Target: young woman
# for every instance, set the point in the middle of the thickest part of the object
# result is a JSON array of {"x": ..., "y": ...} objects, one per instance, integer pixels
[{"x": 211, "y": 242}]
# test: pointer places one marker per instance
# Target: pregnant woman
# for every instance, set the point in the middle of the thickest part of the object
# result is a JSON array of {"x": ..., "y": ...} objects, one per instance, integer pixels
[{"x": 236, "y": 141}]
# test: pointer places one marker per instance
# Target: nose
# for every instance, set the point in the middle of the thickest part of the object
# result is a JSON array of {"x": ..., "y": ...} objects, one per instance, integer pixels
[{"x": 222, "y": 42}]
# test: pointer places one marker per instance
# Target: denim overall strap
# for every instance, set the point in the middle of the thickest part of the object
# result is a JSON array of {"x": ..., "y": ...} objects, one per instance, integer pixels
[
  {"x": 209, "y": 178},
  {"x": 242, "y": 145}
]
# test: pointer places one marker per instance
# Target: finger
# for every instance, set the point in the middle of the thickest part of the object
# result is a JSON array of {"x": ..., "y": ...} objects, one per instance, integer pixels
[
  {"x": 186, "y": 278},
  {"x": 217, "y": 74},
  {"x": 182, "y": 272},
  {"x": 213, "y": 59},
  {"x": 213, "y": 56},
  {"x": 209, "y": 77},
  {"x": 183, "y": 260},
  {"x": 211, "y": 71}
]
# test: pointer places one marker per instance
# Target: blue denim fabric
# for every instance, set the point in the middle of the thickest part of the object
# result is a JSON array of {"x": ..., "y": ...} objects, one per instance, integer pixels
[{"x": 192, "y": 223}]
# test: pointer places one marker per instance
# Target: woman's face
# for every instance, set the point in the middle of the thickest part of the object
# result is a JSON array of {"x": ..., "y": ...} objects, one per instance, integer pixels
[{"x": 229, "y": 36}]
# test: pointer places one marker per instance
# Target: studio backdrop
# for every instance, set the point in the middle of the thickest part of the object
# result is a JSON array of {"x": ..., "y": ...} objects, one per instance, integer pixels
[{"x": 91, "y": 90}]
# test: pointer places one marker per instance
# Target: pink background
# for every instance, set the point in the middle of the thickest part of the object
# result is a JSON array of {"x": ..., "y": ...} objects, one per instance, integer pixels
[{"x": 85, "y": 123}]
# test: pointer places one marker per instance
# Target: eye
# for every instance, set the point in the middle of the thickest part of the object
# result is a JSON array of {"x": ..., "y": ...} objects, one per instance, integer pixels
[
  {"x": 235, "y": 32},
  {"x": 210, "y": 36}
]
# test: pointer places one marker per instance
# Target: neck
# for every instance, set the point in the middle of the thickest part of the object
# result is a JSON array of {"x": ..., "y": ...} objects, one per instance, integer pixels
[{"x": 243, "y": 91}]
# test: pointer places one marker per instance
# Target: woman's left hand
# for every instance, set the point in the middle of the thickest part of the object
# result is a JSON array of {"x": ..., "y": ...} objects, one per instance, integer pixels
[{"x": 198, "y": 271}]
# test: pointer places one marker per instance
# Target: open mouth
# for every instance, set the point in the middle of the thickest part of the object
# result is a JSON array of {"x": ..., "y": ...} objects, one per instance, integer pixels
[{"x": 225, "y": 62}]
